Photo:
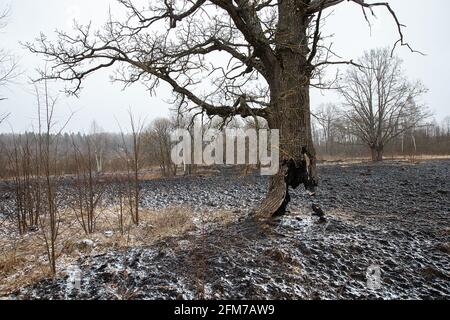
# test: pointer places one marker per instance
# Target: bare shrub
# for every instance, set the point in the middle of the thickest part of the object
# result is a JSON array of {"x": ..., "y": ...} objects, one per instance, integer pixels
[
  {"x": 131, "y": 153},
  {"x": 89, "y": 189}
]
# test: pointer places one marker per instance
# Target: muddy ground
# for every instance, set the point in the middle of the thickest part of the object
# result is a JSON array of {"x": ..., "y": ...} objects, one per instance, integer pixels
[{"x": 389, "y": 219}]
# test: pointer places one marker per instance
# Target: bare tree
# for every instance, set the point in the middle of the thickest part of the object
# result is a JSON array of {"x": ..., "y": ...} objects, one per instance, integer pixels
[
  {"x": 327, "y": 116},
  {"x": 257, "y": 124},
  {"x": 49, "y": 222},
  {"x": 89, "y": 189},
  {"x": 446, "y": 124},
  {"x": 381, "y": 102},
  {"x": 272, "y": 51},
  {"x": 183, "y": 121},
  {"x": 8, "y": 65},
  {"x": 133, "y": 162},
  {"x": 158, "y": 141},
  {"x": 98, "y": 142},
  {"x": 23, "y": 160}
]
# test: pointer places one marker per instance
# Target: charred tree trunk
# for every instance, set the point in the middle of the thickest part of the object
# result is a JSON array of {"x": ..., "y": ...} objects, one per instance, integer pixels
[
  {"x": 290, "y": 110},
  {"x": 376, "y": 153}
]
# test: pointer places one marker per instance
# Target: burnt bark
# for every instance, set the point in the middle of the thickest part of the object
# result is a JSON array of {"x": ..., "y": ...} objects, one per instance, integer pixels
[
  {"x": 290, "y": 110},
  {"x": 377, "y": 153}
]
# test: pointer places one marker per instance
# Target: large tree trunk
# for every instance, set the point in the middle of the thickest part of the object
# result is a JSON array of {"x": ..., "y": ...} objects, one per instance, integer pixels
[
  {"x": 377, "y": 153},
  {"x": 297, "y": 153},
  {"x": 290, "y": 104}
]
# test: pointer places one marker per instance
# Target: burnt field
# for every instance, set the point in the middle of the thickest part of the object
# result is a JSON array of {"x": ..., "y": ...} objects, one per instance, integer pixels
[{"x": 392, "y": 217}]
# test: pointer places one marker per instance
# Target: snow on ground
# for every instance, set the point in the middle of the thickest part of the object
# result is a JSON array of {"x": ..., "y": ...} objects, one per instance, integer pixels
[{"x": 387, "y": 220}]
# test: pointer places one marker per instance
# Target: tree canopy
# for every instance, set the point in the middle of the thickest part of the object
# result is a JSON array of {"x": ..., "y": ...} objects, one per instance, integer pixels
[{"x": 183, "y": 43}]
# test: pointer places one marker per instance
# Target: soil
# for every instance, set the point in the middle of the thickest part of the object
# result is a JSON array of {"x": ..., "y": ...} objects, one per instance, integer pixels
[{"x": 389, "y": 220}]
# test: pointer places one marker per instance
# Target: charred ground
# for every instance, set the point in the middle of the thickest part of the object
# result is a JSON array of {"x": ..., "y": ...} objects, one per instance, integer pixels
[{"x": 394, "y": 215}]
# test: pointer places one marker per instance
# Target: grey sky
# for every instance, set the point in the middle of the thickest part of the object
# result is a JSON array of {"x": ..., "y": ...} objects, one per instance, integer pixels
[{"x": 427, "y": 30}]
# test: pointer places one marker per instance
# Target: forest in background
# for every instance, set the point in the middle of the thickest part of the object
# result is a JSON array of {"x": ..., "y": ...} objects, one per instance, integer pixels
[{"x": 333, "y": 136}]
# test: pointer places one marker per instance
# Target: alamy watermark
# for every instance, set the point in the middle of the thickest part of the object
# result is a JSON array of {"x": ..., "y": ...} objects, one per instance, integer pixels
[
  {"x": 373, "y": 275},
  {"x": 229, "y": 146},
  {"x": 73, "y": 282}
]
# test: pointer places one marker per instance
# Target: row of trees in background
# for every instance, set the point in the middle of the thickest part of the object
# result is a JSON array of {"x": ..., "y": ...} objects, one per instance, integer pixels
[
  {"x": 336, "y": 137},
  {"x": 144, "y": 146},
  {"x": 335, "y": 133},
  {"x": 381, "y": 113}
]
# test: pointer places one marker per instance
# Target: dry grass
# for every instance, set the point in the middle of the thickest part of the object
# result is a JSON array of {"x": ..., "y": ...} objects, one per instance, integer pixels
[
  {"x": 23, "y": 260},
  {"x": 170, "y": 222}
]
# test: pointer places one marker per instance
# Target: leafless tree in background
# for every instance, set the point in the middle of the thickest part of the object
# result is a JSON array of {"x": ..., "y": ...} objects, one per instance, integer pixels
[
  {"x": 326, "y": 116},
  {"x": 158, "y": 141},
  {"x": 257, "y": 124},
  {"x": 381, "y": 102},
  {"x": 182, "y": 120},
  {"x": 89, "y": 189},
  {"x": 136, "y": 132},
  {"x": 446, "y": 124},
  {"x": 49, "y": 221},
  {"x": 8, "y": 65},
  {"x": 132, "y": 154},
  {"x": 273, "y": 52},
  {"x": 98, "y": 143}
]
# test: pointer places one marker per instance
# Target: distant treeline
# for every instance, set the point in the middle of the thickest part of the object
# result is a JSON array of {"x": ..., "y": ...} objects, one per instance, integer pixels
[{"x": 335, "y": 138}]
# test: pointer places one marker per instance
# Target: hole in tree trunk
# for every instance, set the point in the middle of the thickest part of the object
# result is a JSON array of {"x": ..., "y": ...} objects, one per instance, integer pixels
[{"x": 291, "y": 175}]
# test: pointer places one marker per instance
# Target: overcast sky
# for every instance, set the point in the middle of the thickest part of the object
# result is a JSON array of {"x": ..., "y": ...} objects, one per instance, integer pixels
[{"x": 427, "y": 30}]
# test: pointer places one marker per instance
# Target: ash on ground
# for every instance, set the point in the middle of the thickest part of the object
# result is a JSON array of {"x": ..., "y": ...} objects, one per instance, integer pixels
[{"x": 387, "y": 236}]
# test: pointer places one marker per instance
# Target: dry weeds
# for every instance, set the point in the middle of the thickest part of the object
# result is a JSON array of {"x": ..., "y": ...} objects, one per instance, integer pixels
[{"x": 23, "y": 260}]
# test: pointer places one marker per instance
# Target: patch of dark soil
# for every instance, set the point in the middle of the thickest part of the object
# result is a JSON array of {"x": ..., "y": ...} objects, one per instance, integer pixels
[{"x": 394, "y": 221}]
